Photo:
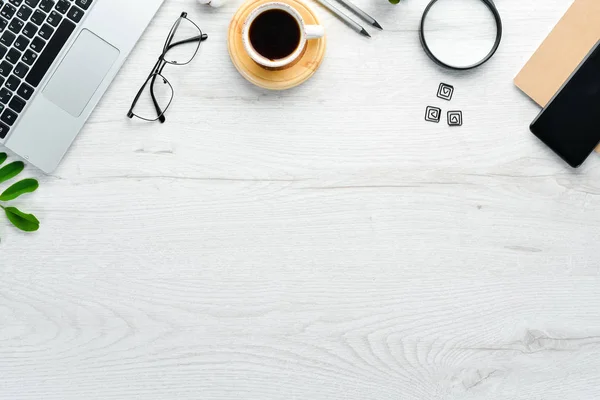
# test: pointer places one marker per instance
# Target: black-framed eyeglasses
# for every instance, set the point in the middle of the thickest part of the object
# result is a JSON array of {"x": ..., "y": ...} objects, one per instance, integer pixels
[{"x": 155, "y": 96}]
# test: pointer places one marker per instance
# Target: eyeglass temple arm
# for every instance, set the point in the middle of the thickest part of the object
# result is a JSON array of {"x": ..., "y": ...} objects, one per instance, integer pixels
[
  {"x": 159, "y": 112},
  {"x": 199, "y": 38}
]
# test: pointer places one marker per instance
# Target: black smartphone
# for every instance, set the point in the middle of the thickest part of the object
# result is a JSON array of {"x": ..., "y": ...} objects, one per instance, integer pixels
[{"x": 570, "y": 123}]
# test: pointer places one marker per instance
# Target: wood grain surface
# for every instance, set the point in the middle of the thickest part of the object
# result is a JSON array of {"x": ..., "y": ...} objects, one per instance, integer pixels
[{"x": 319, "y": 243}]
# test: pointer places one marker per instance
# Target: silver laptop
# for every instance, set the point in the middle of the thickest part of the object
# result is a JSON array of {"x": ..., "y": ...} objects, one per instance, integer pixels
[{"x": 57, "y": 58}]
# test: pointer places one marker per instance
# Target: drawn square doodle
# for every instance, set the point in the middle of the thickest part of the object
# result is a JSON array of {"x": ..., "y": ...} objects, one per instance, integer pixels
[
  {"x": 433, "y": 114},
  {"x": 455, "y": 118},
  {"x": 445, "y": 91}
]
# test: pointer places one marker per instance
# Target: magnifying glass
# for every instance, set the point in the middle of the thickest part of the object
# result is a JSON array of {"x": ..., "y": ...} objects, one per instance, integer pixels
[{"x": 461, "y": 34}]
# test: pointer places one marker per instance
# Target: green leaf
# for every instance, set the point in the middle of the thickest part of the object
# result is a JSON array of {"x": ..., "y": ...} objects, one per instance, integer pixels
[
  {"x": 19, "y": 188},
  {"x": 11, "y": 170},
  {"x": 24, "y": 222},
  {"x": 3, "y": 157},
  {"x": 394, "y": 1}
]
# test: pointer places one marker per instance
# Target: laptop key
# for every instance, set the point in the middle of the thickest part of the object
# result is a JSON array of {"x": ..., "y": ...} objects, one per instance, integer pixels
[
  {"x": 5, "y": 68},
  {"x": 2, "y": 80},
  {"x": 49, "y": 54},
  {"x": 7, "y": 38},
  {"x": 3, "y": 24},
  {"x": 46, "y": 31},
  {"x": 30, "y": 30},
  {"x": 46, "y": 5},
  {"x": 37, "y": 44},
  {"x": 21, "y": 71},
  {"x": 29, "y": 57},
  {"x": 17, "y": 104},
  {"x": 13, "y": 56},
  {"x": 38, "y": 17},
  {"x": 3, "y": 129},
  {"x": 5, "y": 95},
  {"x": 75, "y": 14},
  {"x": 63, "y": 6},
  {"x": 24, "y": 12},
  {"x": 8, "y": 11},
  {"x": 12, "y": 83},
  {"x": 16, "y": 25},
  {"x": 21, "y": 43},
  {"x": 25, "y": 91},
  {"x": 32, "y": 3},
  {"x": 9, "y": 117},
  {"x": 54, "y": 18},
  {"x": 85, "y": 4},
  {"x": 16, "y": 3},
  {"x": 3, "y": 51}
]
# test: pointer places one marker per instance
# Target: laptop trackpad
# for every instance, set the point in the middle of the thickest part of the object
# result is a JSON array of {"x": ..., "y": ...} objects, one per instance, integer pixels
[{"x": 80, "y": 73}]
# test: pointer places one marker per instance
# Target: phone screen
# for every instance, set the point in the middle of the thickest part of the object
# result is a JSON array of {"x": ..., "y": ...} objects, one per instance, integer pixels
[{"x": 570, "y": 123}]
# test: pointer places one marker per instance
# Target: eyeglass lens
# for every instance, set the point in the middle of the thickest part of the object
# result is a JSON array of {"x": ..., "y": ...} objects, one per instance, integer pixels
[
  {"x": 184, "y": 42},
  {"x": 155, "y": 98}
]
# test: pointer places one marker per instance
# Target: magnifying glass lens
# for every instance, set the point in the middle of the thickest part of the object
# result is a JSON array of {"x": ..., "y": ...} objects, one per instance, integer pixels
[{"x": 460, "y": 33}]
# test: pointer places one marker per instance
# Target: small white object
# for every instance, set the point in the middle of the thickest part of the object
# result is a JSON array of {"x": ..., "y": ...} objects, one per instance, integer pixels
[{"x": 213, "y": 3}]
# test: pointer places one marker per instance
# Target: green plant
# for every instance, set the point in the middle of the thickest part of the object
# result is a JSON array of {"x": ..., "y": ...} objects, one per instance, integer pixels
[
  {"x": 21, "y": 220},
  {"x": 394, "y": 1}
]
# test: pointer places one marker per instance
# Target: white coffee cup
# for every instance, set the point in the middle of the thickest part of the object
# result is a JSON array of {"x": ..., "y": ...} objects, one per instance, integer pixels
[{"x": 307, "y": 32}]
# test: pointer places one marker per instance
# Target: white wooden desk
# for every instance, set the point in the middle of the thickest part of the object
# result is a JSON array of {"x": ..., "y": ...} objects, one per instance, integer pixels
[{"x": 321, "y": 243}]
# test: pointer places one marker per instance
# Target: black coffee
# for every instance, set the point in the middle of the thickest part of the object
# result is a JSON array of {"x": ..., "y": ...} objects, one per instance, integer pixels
[{"x": 275, "y": 34}]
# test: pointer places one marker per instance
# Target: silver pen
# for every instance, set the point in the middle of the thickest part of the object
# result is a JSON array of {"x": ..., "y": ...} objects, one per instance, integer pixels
[
  {"x": 360, "y": 13},
  {"x": 347, "y": 20}
]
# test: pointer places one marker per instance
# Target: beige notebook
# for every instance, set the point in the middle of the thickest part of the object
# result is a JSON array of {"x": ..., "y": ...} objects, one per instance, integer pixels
[{"x": 562, "y": 51}]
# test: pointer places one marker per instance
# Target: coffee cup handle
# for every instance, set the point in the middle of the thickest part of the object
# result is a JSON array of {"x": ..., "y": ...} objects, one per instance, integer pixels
[{"x": 314, "y": 31}]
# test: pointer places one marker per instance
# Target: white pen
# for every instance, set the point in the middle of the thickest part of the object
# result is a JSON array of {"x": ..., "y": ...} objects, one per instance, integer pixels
[
  {"x": 361, "y": 13},
  {"x": 347, "y": 20}
]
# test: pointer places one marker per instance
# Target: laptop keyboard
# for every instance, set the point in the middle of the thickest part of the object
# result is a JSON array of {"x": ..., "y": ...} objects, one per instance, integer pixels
[{"x": 32, "y": 34}]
